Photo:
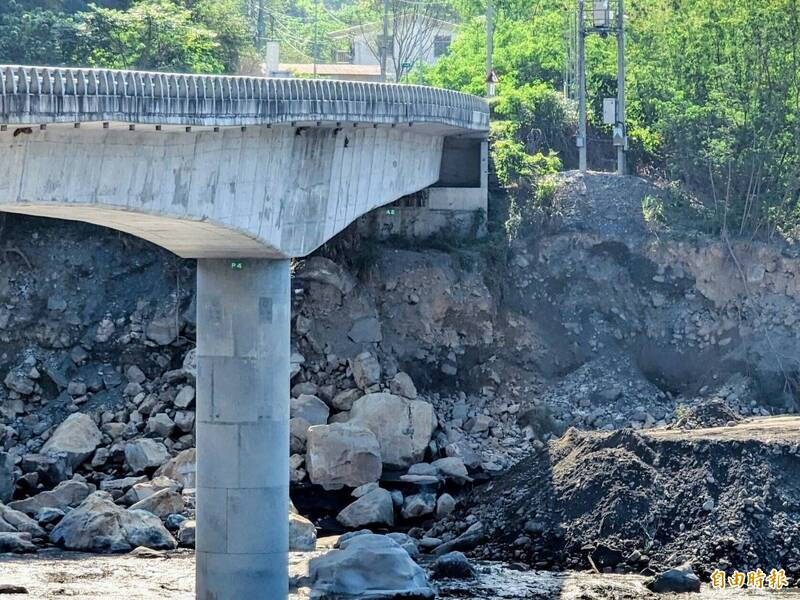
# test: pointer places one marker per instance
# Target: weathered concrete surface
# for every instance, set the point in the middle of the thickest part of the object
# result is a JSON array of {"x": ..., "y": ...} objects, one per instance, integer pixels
[
  {"x": 210, "y": 166},
  {"x": 242, "y": 429},
  {"x": 260, "y": 192}
]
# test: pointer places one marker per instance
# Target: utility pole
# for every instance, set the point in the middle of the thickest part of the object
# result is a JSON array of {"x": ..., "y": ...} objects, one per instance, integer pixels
[
  {"x": 260, "y": 25},
  {"x": 603, "y": 25},
  {"x": 316, "y": 37},
  {"x": 490, "y": 77},
  {"x": 581, "y": 140},
  {"x": 623, "y": 134},
  {"x": 568, "y": 66},
  {"x": 384, "y": 39}
]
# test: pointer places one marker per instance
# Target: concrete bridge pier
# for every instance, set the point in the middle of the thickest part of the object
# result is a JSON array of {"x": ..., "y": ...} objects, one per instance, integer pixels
[{"x": 243, "y": 352}]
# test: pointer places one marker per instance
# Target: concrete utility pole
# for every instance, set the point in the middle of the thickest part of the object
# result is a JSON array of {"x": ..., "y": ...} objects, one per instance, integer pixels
[
  {"x": 581, "y": 140},
  {"x": 383, "y": 39},
  {"x": 316, "y": 37},
  {"x": 569, "y": 48},
  {"x": 621, "y": 88},
  {"x": 260, "y": 24},
  {"x": 489, "y": 49}
]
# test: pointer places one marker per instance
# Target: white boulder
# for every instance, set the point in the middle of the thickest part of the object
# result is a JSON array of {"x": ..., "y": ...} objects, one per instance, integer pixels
[
  {"x": 342, "y": 454},
  {"x": 99, "y": 525},
  {"x": 403, "y": 427},
  {"x": 77, "y": 437}
]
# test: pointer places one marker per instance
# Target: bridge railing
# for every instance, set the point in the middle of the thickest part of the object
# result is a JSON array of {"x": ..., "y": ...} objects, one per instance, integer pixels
[{"x": 47, "y": 94}]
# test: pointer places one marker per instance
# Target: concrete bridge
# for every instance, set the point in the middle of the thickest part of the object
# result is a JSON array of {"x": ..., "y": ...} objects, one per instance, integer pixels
[{"x": 220, "y": 168}]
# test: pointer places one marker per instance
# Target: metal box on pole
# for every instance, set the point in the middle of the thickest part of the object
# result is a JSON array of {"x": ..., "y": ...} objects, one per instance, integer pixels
[
  {"x": 601, "y": 14},
  {"x": 609, "y": 111}
]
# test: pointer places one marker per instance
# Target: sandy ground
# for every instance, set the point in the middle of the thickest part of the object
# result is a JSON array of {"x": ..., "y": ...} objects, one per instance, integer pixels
[
  {"x": 54, "y": 574},
  {"x": 764, "y": 429},
  {"x": 58, "y": 574}
]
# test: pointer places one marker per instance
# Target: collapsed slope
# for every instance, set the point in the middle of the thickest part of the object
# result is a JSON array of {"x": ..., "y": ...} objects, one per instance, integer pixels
[
  {"x": 601, "y": 322},
  {"x": 628, "y": 501}
]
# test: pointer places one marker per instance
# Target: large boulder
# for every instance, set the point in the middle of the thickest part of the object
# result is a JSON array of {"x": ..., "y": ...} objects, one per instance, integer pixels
[
  {"x": 51, "y": 469},
  {"x": 453, "y": 565},
  {"x": 310, "y": 408},
  {"x": 186, "y": 533},
  {"x": 342, "y": 454},
  {"x": 182, "y": 468},
  {"x": 324, "y": 271},
  {"x": 144, "y": 489},
  {"x": 20, "y": 383},
  {"x": 144, "y": 454},
  {"x": 680, "y": 580},
  {"x": 302, "y": 533},
  {"x": 14, "y": 521},
  {"x": 162, "y": 503},
  {"x": 7, "y": 477},
  {"x": 418, "y": 505},
  {"x": 16, "y": 542},
  {"x": 452, "y": 467},
  {"x": 373, "y": 508},
  {"x": 298, "y": 435},
  {"x": 402, "y": 385},
  {"x": 77, "y": 437},
  {"x": 64, "y": 495},
  {"x": 366, "y": 370},
  {"x": 368, "y": 566},
  {"x": 99, "y": 525},
  {"x": 161, "y": 425},
  {"x": 403, "y": 427},
  {"x": 163, "y": 329},
  {"x": 344, "y": 399}
]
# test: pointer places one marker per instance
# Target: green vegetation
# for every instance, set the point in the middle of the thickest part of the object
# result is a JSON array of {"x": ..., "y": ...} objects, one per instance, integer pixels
[
  {"x": 653, "y": 210},
  {"x": 202, "y": 35},
  {"x": 714, "y": 85},
  {"x": 714, "y": 98}
]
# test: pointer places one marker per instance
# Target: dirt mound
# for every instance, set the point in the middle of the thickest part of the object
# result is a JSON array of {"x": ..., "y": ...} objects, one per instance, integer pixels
[
  {"x": 635, "y": 501},
  {"x": 711, "y": 413}
]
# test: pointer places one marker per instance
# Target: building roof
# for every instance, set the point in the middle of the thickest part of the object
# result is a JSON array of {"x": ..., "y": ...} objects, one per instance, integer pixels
[{"x": 332, "y": 69}]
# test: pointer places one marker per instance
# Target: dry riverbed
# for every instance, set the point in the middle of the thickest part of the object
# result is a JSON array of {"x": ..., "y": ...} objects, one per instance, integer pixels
[{"x": 54, "y": 574}]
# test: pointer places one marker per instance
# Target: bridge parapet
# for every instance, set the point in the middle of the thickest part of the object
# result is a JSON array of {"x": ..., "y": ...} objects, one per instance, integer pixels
[{"x": 30, "y": 95}]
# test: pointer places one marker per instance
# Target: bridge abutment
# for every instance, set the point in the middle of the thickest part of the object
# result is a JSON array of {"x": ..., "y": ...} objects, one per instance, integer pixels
[{"x": 243, "y": 352}]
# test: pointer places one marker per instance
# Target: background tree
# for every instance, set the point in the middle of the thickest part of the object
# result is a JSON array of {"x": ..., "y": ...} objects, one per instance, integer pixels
[{"x": 412, "y": 27}]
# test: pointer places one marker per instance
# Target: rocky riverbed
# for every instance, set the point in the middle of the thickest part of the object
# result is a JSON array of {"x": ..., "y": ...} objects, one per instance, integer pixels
[
  {"x": 430, "y": 386},
  {"x": 87, "y": 577}
]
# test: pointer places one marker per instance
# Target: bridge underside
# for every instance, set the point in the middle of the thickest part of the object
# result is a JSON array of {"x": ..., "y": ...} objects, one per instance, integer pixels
[
  {"x": 258, "y": 192},
  {"x": 187, "y": 239}
]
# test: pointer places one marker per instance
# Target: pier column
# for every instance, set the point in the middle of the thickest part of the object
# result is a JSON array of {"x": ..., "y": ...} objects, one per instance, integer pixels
[{"x": 243, "y": 350}]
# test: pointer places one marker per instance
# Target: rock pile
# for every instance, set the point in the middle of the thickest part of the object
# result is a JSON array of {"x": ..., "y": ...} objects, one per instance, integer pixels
[
  {"x": 406, "y": 386},
  {"x": 360, "y": 433},
  {"x": 627, "y": 502}
]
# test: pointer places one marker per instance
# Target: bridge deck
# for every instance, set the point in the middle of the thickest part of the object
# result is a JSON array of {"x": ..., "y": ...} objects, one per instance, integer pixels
[{"x": 40, "y": 95}]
